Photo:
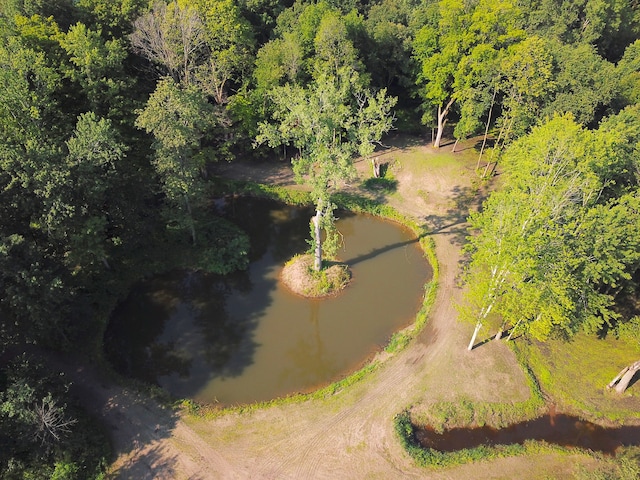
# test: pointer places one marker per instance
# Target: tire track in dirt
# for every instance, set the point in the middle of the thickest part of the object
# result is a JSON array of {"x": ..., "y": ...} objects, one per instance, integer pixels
[{"x": 359, "y": 419}]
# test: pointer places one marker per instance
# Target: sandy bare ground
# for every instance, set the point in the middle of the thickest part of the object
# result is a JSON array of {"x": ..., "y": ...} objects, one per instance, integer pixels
[{"x": 349, "y": 435}]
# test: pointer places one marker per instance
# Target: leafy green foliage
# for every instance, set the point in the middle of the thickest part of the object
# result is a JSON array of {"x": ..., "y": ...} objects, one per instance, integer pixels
[
  {"x": 628, "y": 70},
  {"x": 41, "y": 436},
  {"x": 178, "y": 119},
  {"x": 551, "y": 251},
  {"x": 327, "y": 123},
  {"x": 459, "y": 56},
  {"x": 584, "y": 83},
  {"x": 82, "y": 204}
]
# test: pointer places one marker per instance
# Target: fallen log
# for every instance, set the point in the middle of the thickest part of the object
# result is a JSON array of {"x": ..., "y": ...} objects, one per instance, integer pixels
[{"x": 624, "y": 377}]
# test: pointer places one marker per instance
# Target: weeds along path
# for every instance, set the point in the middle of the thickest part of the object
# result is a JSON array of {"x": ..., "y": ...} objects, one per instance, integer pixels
[{"x": 349, "y": 435}]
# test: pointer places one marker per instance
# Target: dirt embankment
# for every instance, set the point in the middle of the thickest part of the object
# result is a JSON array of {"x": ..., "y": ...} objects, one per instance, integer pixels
[{"x": 350, "y": 435}]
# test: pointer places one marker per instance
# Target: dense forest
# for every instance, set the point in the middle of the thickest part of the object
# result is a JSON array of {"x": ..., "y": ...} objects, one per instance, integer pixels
[{"x": 111, "y": 112}]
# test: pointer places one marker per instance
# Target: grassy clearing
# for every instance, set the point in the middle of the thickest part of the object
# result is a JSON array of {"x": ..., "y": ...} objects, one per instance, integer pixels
[
  {"x": 464, "y": 412},
  {"x": 575, "y": 374}
]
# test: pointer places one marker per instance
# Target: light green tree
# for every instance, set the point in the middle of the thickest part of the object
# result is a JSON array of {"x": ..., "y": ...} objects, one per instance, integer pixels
[
  {"x": 230, "y": 45},
  {"x": 95, "y": 64},
  {"x": 458, "y": 56},
  {"x": 628, "y": 71},
  {"x": 553, "y": 246},
  {"x": 328, "y": 122}
]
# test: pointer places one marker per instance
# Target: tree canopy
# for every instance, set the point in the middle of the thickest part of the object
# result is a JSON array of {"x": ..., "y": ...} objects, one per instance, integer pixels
[
  {"x": 111, "y": 112},
  {"x": 556, "y": 246}
]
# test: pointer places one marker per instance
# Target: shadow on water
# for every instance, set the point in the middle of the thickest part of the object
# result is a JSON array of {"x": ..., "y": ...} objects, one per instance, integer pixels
[
  {"x": 244, "y": 337},
  {"x": 176, "y": 329},
  {"x": 558, "y": 429},
  {"x": 373, "y": 254}
]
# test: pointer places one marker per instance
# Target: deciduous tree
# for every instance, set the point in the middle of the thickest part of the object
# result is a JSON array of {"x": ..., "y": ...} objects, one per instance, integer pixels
[
  {"x": 178, "y": 118},
  {"x": 173, "y": 37},
  {"x": 328, "y": 123},
  {"x": 552, "y": 250},
  {"x": 458, "y": 55}
]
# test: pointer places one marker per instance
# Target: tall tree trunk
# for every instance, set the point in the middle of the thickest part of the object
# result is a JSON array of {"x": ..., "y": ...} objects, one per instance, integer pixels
[
  {"x": 486, "y": 129},
  {"x": 442, "y": 121},
  {"x": 376, "y": 167},
  {"x": 192, "y": 226},
  {"x": 317, "y": 264},
  {"x": 513, "y": 329},
  {"x": 624, "y": 377},
  {"x": 475, "y": 334}
]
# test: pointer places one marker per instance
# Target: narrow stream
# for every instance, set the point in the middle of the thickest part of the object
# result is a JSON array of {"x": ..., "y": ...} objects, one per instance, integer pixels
[{"x": 558, "y": 429}]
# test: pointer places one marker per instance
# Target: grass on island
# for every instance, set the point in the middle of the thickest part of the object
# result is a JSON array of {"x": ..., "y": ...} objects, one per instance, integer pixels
[{"x": 302, "y": 279}]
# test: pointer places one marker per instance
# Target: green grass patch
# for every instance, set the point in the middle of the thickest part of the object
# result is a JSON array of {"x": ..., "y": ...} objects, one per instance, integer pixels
[
  {"x": 565, "y": 371},
  {"x": 575, "y": 375},
  {"x": 625, "y": 466},
  {"x": 466, "y": 413}
]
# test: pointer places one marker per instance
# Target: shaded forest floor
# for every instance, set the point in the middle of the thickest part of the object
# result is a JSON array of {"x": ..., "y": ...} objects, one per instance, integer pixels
[{"x": 349, "y": 435}]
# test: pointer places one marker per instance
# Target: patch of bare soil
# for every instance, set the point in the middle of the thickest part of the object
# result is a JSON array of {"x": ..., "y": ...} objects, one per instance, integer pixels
[{"x": 350, "y": 434}]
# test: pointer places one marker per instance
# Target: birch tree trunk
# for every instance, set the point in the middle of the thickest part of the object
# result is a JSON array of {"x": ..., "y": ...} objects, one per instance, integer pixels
[
  {"x": 475, "y": 334},
  {"x": 442, "y": 121}
]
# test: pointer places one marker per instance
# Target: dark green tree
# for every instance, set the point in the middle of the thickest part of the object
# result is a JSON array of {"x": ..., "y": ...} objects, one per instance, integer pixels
[{"x": 178, "y": 118}]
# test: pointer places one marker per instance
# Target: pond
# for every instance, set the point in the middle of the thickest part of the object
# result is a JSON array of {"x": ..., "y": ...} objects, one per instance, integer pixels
[{"x": 244, "y": 337}]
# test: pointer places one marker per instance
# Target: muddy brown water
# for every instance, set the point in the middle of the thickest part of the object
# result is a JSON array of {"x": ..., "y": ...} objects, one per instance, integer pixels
[
  {"x": 244, "y": 337},
  {"x": 558, "y": 429}
]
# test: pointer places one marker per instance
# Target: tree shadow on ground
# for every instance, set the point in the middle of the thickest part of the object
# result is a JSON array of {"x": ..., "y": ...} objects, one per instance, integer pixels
[
  {"x": 464, "y": 200},
  {"x": 454, "y": 221},
  {"x": 133, "y": 420},
  {"x": 379, "y": 188}
]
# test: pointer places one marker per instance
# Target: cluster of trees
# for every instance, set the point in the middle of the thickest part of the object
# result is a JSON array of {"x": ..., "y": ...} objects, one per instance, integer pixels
[
  {"x": 111, "y": 110},
  {"x": 559, "y": 243}
]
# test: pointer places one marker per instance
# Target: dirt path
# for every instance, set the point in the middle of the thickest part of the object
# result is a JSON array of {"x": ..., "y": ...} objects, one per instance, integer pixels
[{"x": 350, "y": 435}]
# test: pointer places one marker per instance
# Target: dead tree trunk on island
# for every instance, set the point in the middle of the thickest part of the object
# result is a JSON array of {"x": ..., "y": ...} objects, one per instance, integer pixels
[{"x": 317, "y": 227}]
